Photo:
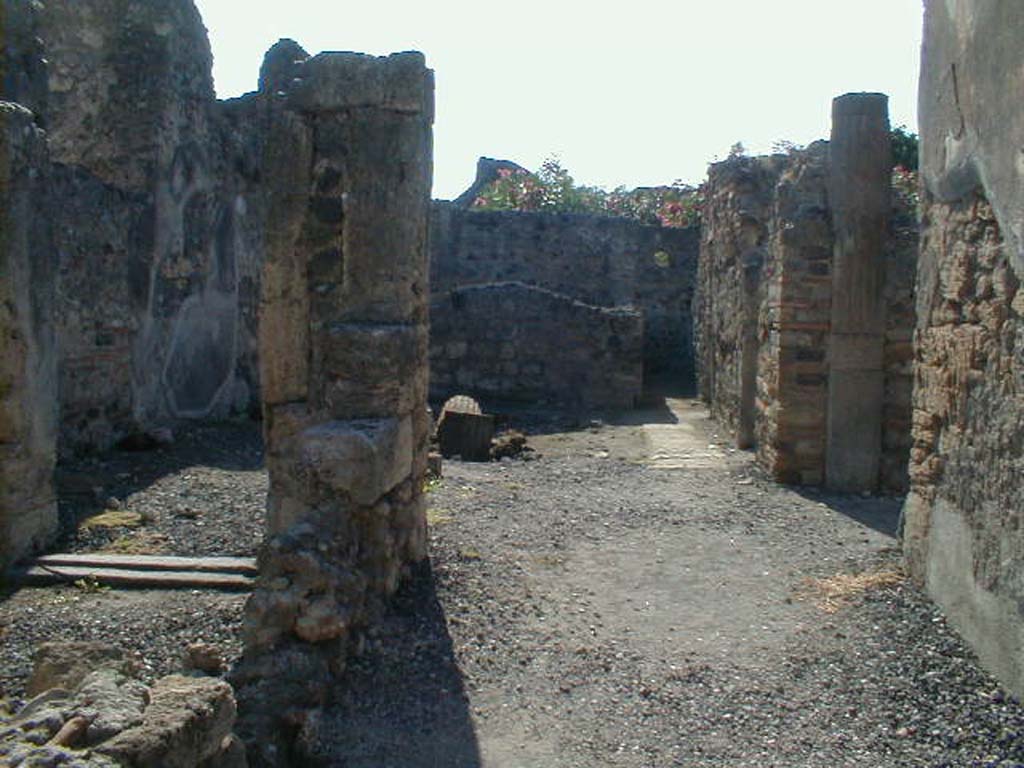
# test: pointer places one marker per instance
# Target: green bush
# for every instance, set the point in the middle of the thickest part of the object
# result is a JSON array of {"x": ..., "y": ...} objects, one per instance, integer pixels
[{"x": 553, "y": 189}]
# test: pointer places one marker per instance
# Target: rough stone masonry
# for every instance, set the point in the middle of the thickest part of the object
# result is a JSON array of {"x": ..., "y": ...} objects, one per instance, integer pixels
[
  {"x": 343, "y": 350},
  {"x": 964, "y": 512},
  {"x": 569, "y": 308},
  {"x": 157, "y": 218},
  {"x": 804, "y": 306},
  {"x": 28, "y": 363},
  {"x": 133, "y": 230},
  {"x": 132, "y": 203}
]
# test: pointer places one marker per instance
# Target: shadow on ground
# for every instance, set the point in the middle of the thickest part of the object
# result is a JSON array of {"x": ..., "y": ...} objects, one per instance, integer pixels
[
  {"x": 85, "y": 484},
  {"x": 558, "y": 418},
  {"x": 403, "y": 702},
  {"x": 880, "y": 513}
]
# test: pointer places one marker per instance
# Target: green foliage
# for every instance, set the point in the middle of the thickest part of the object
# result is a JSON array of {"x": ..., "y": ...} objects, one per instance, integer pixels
[
  {"x": 553, "y": 189},
  {"x": 90, "y": 585},
  {"x": 905, "y": 194},
  {"x": 904, "y": 148}
]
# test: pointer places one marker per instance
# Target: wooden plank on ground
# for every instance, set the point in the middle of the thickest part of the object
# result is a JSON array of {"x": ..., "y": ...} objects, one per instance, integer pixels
[
  {"x": 124, "y": 577},
  {"x": 240, "y": 565}
]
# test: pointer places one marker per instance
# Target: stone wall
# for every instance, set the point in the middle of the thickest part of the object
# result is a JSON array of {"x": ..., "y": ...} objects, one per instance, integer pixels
[
  {"x": 734, "y": 248},
  {"x": 597, "y": 261},
  {"x": 898, "y": 350},
  {"x": 28, "y": 359},
  {"x": 516, "y": 341},
  {"x": 793, "y": 324},
  {"x": 343, "y": 341},
  {"x": 963, "y": 515},
  {"x": 666, "y": 281},
  {"x": 764, "y": 315},
  {"x": 157, "y": 226}
]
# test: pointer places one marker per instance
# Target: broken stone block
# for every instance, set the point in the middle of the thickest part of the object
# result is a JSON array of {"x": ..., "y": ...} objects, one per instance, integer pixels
[
  {"x": 186, "y": 722},
  {"x": 111, "y": 703},
  {"x": 360, "y": 459},
  {"x": 67, "y": 664},
  {"x": 204, "y": 657},
  {"x": 332, "y": 81}
]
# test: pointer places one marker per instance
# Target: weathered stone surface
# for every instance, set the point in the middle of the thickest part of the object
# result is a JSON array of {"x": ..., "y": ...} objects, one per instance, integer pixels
[
  {"x": 364, "y": 460},
  {"x": 204, "y": 657},
  {"x": 794, "y": 324},
  {"x": 734, "y": 247},
  {"x": 281, "y": 66},
  {"x": 28, "y": 354},
  {"x": 962, "y": 533},
  {"x": 967, "y": 465},
  {"x": 110, "y": 702},
  {"x": 343, "y": 356},
  {"x": 104, "y": 716},
  {"x": 516, "y": 341},
  {"x": 859, "y": 199},
  {"x": 488, "y": 170},
  {"x": 186, "y": 722},
  {"x": 764, "y": 318},
  {"x": 331, "y": 82},
  {"x": 66, "y": 664},
  {"x": 600, "y": 261},
  {"x": 23, "y": 58},
  {"x": 970, "y": 132},
  {"x": 155, "y": 192}
]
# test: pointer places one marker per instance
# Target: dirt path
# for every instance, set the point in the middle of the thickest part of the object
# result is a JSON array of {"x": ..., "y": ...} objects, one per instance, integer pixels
[{"x": 638, "y": 596}]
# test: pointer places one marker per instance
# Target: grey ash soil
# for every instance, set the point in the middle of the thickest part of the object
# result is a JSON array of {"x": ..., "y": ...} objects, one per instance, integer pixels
[
  {"x": 637, "y": 596},
  {"x": 204, "y": 494}
]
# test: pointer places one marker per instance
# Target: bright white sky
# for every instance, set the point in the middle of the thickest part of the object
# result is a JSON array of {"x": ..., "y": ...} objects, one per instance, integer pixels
[{"x": 637, "y": 93}]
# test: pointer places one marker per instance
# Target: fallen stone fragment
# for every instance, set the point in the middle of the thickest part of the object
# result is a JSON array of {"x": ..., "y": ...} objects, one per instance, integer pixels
[
  {"x": 186, "y": 723},
  {"x": 110, "y": 702},
  {"x": 204, "y": 657},
  {"x": 66, "y": 664},
  {"x": 71, "y": 733}
]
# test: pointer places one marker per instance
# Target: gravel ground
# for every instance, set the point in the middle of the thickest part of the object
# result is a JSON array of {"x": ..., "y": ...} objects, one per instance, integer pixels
[
  {"x": 204, "y": 494},
  {"x": 582, "y": 609}
]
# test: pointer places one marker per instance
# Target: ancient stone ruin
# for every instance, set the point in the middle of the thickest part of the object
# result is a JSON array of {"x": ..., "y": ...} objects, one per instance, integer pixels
[
  {"x": 135, "y": 237},
  {"x": 28, "y": 369},
  {"x": 139, "y": 228},
  {"x": 566, "y": 308},
  {"x": 804, "y": 308},
  {"x": 962, "y": 536},
  {"x": 167, "y": 256},
  {"x": 343, "y": 345}
]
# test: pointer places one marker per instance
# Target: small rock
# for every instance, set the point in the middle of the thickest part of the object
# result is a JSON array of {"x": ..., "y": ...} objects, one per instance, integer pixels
[
  {"x": 66, "y": 665},
  {"x": 204, "y": 657},
  {"x": 186, "y": 723}
]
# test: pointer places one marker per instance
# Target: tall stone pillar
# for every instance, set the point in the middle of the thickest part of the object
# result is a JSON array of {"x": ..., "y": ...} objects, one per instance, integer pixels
[
  {"x": 343, "y": 350},
  {"x": 859, "y": 193},
  {"x": 28, "y": 359}
]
